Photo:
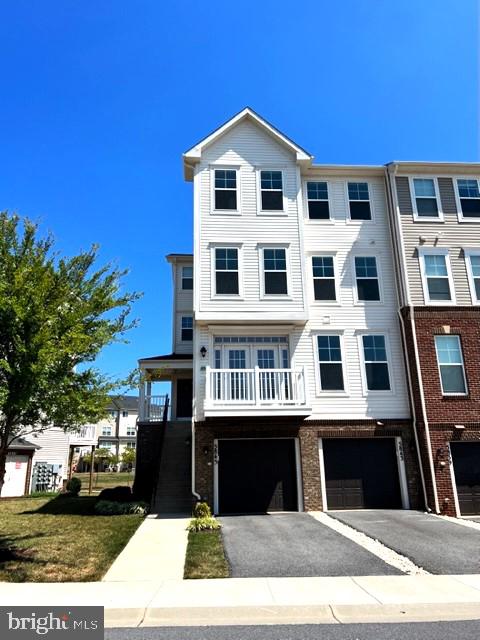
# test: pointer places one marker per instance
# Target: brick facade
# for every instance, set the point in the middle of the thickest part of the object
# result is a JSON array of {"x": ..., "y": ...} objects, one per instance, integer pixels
[
  {"x": 444, "y": 412},
  {"x": 308, "y": 433}
]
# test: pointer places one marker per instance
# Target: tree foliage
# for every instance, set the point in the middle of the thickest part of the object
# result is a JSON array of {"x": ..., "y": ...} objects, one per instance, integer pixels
[{"x": 56, "y": 315}]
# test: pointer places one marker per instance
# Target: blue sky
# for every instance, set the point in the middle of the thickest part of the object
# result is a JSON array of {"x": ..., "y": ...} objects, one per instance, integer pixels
[{"x": 100, "y": 98}]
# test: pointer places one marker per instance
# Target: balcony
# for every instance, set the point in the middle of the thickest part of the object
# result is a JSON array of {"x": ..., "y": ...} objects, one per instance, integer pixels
[{"x": 235, "y": 392}]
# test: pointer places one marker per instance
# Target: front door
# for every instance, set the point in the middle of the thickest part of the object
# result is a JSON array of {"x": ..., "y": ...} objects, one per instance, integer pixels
[{"x": 184, "y": 397}]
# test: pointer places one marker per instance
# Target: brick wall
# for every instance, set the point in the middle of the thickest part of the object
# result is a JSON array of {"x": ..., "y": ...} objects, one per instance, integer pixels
[
  {"x": 444, "y": 412},
  {"x": 308, "y": 433}
]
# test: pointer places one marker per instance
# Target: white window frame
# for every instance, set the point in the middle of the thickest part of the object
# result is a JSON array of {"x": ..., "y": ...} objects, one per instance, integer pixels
[
  {"x": 181, "y": 328},
  {"x": 468, "y": 253},
  {"x": 270, "y": 212},
  {"x": 457, "y": 197},
  {"x": 330, "y": 219},
  {"x": 416, "y": 217},
  {"x": 224, "y": 212},
  {"x": 347, "y": 200},
  {"x": 367, "y": 254},
  {"x": 213, "y": 282},
  {"x": 366, "y": 391},
  {"x": 104, "y": 428},
  {"x": 422, "y": 252},
  {"x": 451, "y": 393},
  {"x": 319, "y": 392},
  {"x": 131, "y": 428},
  {"x": 324, "y": 254},
  {"x": 274, "y": 296}
]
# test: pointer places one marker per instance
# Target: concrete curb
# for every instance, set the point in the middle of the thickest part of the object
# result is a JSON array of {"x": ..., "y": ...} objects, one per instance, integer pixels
[{"x": 323, "y": 614}]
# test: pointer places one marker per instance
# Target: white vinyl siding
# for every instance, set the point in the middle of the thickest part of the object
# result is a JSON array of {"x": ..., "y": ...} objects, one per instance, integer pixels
[{"x": 249, "y": 148}]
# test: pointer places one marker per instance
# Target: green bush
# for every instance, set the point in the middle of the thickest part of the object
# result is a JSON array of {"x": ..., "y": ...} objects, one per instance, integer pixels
[
  {"x": 74, "y": 485},
  {"x": 204, "y": 524},
  {"x": 110, "y": 508},
  {"x": 202, "y": 510}
]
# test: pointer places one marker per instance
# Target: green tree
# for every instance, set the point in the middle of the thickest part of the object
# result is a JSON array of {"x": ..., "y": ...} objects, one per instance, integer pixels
[
  {"x": 129, "y": 455},
  {"x": 56, "y": 315}
]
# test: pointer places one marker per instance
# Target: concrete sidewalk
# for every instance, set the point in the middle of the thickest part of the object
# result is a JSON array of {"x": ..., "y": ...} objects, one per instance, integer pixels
[
  {"x": 155, "y": 552},
  {"x": 262, "y": 600}
]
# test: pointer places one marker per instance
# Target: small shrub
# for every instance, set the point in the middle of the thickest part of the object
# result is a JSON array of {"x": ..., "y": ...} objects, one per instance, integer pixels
[
  {"x": 111, "y": 508},
  {"x": 73, "y": 486},
  {"x": 202, "y": 510},
  {"x": 116, "y": 494},
  {"x": 204, "y": 524}
]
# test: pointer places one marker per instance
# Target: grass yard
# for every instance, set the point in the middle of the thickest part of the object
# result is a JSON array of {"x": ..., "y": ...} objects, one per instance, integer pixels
[
  {"x": 105, "y": 479},
  {"x": 59, "y": 539},
  {"x": 205, "y": 557}
]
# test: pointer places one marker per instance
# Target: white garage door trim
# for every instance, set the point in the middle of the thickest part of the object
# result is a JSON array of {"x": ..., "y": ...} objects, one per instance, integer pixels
[
  {"x": 402, "y": 474},
  {"x": 298, "y": 471}
]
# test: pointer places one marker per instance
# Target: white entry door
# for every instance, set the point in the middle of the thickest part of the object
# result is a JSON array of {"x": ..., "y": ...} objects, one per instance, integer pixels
[{"x": 15, "y": 475}]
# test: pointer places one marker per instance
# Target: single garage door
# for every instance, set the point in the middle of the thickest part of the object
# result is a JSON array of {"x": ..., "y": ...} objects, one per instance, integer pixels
[
  {"x": 466, "y": 466},
  {"x": 361, "y": 473},
  {"x": 256, "y": 476}
]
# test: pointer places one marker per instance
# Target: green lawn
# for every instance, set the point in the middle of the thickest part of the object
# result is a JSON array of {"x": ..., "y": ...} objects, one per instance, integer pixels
[
  {"x": 104, "y": 479},
  {"x": 205, "y": 557},
  {"x": 59, "y": 539}
]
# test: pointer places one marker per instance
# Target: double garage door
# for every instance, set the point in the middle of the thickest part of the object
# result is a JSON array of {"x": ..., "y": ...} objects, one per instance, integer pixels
[
  {"x": 466, "y": 467},
  {"x": 260, "y": 475}
]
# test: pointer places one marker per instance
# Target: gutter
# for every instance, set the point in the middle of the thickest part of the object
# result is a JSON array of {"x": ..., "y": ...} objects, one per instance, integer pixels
[{"x": 398, "y": 235}]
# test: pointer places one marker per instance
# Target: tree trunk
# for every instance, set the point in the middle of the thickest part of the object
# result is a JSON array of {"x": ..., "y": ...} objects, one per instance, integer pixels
[{"x": 3, "y": 463}]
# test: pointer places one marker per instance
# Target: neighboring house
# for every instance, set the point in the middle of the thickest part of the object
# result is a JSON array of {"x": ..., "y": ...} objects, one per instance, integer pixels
[
  {"x": 50, "y": 462},
  {"x": 436, "y": 230},
  {"x": 119, "y": 430},
  {"x": 292, "y": 341}
]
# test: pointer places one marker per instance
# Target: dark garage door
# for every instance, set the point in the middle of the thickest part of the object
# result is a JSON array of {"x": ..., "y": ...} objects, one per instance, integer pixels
[
  {"x": 256, "y": 476},
  {"x": 361, "y": 473},
  {"x": 466, "y": 466}
]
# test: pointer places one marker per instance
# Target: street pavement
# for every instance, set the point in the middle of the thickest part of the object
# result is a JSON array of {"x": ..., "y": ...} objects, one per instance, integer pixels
[
  {"x": 464, "y": 630},
  {"x": 439, "y": 546},
  {"x": 294, "y": 545}
]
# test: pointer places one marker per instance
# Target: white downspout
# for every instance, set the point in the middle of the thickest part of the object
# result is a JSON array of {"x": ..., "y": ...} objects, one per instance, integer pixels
[{"x": 406, "y": 293}]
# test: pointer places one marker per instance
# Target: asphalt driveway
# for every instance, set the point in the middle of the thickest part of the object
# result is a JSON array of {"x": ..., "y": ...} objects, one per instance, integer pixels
[
  {"x": 294, "y": 545},
  {"x": 437, "y": 545}
]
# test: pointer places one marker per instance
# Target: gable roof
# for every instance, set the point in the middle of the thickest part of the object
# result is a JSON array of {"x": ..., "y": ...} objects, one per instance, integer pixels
[{"x": 193, "y": 155}]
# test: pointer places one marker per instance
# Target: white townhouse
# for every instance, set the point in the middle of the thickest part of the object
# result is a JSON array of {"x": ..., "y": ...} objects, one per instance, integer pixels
[{"x": 292, "y": 340}]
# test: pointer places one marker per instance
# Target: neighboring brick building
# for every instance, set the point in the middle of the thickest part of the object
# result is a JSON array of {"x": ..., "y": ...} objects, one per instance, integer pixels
[{"x": 436, "y": 236}]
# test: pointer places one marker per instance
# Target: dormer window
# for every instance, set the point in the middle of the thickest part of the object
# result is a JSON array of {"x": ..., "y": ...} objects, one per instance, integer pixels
[
  {"x": 271, "y": 190},
  {"x": 226, "y": 189}
]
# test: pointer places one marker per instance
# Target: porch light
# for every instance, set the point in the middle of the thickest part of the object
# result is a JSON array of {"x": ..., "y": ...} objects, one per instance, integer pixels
[{"x": 203, "y": 351}]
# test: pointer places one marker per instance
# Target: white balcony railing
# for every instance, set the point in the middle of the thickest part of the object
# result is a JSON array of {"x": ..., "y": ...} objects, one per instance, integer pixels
[
  {"x": 86, "y": 435},
  {"x": 273, "y": 388},
  {"x": 152, "y": 408}
]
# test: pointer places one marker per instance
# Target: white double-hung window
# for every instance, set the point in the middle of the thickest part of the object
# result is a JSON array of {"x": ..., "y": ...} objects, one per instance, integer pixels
[
  {"x": 450, "y": 365},
  {"x": 468, "y": 198},
  {"x": 472, "y": 261},
  {"x": 375, "y": 360},
  {"x": 426, "y": 201},
  {"x": 436, "y": 276}
]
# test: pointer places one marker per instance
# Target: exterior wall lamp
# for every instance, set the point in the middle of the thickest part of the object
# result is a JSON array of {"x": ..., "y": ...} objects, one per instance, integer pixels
[{"x": 203, "y": 351}]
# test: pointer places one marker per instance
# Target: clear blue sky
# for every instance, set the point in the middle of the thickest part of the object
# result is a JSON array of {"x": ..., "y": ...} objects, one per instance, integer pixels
[{"x": 100, "y": 98}]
